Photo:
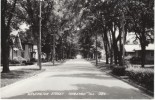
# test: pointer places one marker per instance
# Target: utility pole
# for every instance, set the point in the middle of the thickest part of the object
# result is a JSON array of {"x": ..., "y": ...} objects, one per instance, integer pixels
[
  {"x": 39, "y": 49},
  {"x": 96, "y": 49}
]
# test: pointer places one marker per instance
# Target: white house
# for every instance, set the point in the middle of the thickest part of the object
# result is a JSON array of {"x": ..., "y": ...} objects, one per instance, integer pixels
[{"x": 19, "y": 50}]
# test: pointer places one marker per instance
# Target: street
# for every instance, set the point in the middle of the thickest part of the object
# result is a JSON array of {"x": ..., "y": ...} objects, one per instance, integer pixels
[{"x": 75, "y": 79}]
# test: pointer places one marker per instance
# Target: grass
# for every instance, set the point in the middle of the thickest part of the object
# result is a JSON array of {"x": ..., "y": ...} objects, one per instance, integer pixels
[{"x": 17, "y": 75}]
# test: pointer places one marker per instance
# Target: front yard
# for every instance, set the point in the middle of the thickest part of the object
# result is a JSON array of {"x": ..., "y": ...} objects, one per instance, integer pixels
[{"x": 16, "y": 75}]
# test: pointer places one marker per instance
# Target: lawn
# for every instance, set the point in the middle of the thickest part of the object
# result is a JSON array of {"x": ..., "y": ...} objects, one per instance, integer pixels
[{"x": 17, "y": 75}]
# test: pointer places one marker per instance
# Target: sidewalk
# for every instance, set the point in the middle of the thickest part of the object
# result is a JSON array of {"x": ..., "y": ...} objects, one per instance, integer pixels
[
  {"x": 22, "y": 67},
  {"x": 34, "y": 66},
  {"x": 18, "y": 73}
]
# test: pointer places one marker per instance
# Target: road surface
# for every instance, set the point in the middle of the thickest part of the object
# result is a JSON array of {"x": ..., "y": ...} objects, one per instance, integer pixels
[{"x": 75, "y": 79}]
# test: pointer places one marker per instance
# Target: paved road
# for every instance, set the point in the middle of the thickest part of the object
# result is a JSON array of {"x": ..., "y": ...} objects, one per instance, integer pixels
[{"x": 75, "y": 79}]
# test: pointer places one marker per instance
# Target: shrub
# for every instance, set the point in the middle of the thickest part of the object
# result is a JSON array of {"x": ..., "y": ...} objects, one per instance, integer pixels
[
  {"x": 14, "y": 61},
  {"x": 135, "y": 60},
  {"x": 43, "y": 60},
  {"x": 118, "y": 70},
  {"x": 143, "y": 76},
  {"x": 33, "y": 60},
  {"x": 20, "y": 59},
  {"x": 29, "y": 63}
]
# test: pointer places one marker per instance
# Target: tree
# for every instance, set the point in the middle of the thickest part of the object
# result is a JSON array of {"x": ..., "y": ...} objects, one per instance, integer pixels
[
  {"x": 8, "y": 9},
  {"x": 142, "y": 15},
  {"x": 31, "y": 16}
]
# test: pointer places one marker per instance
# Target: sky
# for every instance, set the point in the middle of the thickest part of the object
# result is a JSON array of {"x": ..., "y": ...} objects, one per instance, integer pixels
[{"x": 23, "y": 27}]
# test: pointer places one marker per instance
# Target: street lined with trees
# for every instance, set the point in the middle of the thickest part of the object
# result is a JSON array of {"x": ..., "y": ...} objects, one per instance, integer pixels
[
  {"x": 111, "y": 20},
  {"x": 63, "y": 29},
  {"x": 71, "y": 27}
]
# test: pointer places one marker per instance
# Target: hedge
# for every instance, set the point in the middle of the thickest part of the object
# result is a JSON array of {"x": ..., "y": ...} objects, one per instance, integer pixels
[
  {"x": 118, "y": 70},
  {"x": 143, "y": 76},
  {"x": 14, "y": 62}
]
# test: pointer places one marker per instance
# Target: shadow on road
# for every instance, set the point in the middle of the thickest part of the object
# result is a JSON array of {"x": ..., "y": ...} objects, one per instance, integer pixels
[
  {"x": 87, "y": 75},
  {"x": 76, "y": 79}
]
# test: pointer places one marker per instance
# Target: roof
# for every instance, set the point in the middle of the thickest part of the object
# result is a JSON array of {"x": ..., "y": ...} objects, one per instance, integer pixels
[
  {"x": 149, "y": 47},
  {"x": 133, "y": 48}
]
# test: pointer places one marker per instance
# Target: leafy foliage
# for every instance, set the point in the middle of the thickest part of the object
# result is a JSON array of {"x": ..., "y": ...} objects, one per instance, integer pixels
[{"x": 142, "y": 76}]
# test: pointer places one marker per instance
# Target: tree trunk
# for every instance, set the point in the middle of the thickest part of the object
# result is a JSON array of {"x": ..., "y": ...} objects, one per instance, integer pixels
[
  {"x": 107, "y": 55},
  {"x": 106, "y": 47},
  {"x": 143, "y": 51},
  {"x": 53, "y": 57},
  {"x": 111, "y": 49},
  {"x": 69, "y": 50},
  {"x": 5, "y": 56},
  {"x": 96, "y": 50},
  {"x": 120, "y": 60},
  {"x": 115, "y": 48},
  {"x": 5, "y": 47},
  {"x": 143, "y": 48},
  {"x": 47, "y": 56},
  {"x": 5, "y": 35}
]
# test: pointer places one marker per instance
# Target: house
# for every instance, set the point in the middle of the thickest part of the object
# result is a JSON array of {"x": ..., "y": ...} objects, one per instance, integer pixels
[
  {"x": 21, "y": 50},
  {"x": 135, "y": 51},
  {"x": 27, "y": 52},
  {"x": 149, "y": 53},
  {"x": 133, "y": 48},
  {"x": 130, "y": 49},
  {"x": 35, "y": 53}
]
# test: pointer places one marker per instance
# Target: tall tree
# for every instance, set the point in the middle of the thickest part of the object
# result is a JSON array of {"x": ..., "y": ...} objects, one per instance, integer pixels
[{"x": 8, "y": 8}]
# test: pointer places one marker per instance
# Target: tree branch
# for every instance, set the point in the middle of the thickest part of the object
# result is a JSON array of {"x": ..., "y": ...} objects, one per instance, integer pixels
[{"x": 11, "y": 15}]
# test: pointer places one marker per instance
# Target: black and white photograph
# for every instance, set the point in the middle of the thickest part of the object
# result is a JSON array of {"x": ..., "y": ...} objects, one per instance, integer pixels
[{"x": 77, "y": 49}]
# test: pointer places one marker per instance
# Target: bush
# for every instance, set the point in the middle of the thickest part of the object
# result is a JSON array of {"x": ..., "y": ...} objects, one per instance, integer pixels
[
  {"x": 143, "y": 76},
  {"x": 19, "y": 59},
  {"x": 43, "y": 60},
  {"x": 29, "y": 63},
  {"x": 33, "y": 60},
  {"x": 135, "y": 60},
  {"x": 118, "y": 70},
  {"x": 14, "y": 61}
]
